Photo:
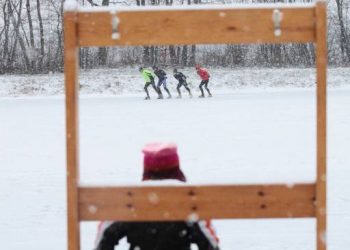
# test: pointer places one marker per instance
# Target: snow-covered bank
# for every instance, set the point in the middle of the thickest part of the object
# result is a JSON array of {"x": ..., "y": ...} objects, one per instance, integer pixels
[
  {"x": 128, "y": 80},
  {"x": 238, "y": 137}
]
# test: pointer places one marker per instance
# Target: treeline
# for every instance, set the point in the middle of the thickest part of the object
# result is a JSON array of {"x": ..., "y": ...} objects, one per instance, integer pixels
[{"x": 31, "y": 41}]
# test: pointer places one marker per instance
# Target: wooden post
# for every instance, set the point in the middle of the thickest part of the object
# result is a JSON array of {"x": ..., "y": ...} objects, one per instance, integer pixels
[
  {"x": 321, "y": 65},
  {"x": 71, "y": 84}
]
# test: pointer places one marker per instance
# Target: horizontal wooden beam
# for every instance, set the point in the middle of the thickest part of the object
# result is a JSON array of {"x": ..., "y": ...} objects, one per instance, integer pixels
[
  {"x": 196, "y": 26},
  {"x": 152, "y": 203}
]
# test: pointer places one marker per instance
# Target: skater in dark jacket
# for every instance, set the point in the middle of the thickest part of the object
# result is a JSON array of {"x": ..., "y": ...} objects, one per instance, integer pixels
[
  {"x": 204, "y": 75},
  {"x": 182, "y": 82},
  {"x": 148, "y": 76},
  {"x": 161, "y": 80},
  {"x": 161, "y": 162}
]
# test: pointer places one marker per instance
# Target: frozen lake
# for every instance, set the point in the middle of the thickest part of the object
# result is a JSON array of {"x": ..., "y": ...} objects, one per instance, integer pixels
[{"x": 242, "y": 136}]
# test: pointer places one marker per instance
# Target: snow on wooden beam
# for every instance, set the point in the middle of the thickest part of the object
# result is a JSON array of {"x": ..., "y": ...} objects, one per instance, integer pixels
[
  {"x": 195, "y": 26},
  {"x": 151, "y": 203}
]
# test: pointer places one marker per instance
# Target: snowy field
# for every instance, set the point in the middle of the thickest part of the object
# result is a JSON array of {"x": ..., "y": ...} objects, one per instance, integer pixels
[
  {"x": 241, "y": 135},
  {"x": 121, "y": 81}
]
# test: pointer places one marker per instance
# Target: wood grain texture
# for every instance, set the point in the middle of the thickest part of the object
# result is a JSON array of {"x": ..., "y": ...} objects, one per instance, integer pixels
[
  {"x": 321, "y": 66},
  {"x": 70, "y": 69},
  {"x": 226, "y": 26},
  {"x": 186, "y": 202}
]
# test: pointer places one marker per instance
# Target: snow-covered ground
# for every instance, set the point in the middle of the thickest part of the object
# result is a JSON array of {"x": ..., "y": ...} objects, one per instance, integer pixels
[
  {"x": 128, "y": 80},
  {"x": 241, "y": 135}
]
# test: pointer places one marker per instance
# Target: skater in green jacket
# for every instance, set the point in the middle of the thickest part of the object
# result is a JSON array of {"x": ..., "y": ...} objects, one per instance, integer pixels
[{"x": 149, "y": 79}]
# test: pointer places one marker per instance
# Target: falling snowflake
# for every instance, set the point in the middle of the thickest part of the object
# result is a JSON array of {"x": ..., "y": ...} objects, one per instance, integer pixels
[
  {"x": 92, "y": 209},
  {"x": 153, "y": 198}
]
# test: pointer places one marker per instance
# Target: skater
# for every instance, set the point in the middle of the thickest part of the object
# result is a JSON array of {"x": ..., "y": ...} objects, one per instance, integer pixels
[
  {"x": 161, "y": 162},
  {"x": 149, "y": 79},
  {"x": 204, "y": 75},
  {"x": 161, "y": 80},
  {"x": 182, "y": 82}
]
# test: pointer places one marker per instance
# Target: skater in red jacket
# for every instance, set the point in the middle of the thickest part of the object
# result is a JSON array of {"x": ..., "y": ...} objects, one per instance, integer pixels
[
  {"x": 204, "y": 75},
  {"x": 161, "y": 162}
]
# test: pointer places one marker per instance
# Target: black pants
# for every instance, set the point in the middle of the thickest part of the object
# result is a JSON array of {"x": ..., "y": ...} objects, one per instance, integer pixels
[
  {"x": 205, "y": 84},
  {"x": 153, "y": 85},
  {"x": 162, "y": 81},
  {"x": 179, "y": 85}
]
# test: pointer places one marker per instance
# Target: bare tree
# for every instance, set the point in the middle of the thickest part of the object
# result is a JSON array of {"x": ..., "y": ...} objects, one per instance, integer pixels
[
  {"x": 184, "y": 56},
  {"x": 6, "y": 33},
  {"x": 30, "y": 23},
  {"x": 92, "y": 3},
  {"x": 19, "y": 38},
  {"x": 344, "y": 42},
  {"x": 31, "y": 31},
  {"x": 192, "y": 59},
  {"x": 42, "y": 40},
  {"x": 31, "y": 34},
  {"x": 102, "y": 51}
]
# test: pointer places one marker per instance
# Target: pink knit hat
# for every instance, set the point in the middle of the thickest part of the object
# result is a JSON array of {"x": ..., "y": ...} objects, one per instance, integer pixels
[{"x": 161, "y": 161}]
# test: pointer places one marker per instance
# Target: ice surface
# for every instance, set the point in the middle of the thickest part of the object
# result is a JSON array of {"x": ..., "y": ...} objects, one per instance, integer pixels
[{"x": 251, "y": 135}]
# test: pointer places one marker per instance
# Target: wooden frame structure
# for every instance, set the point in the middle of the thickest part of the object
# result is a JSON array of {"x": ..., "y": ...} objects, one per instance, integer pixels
[{"x": 269, "y": 24}]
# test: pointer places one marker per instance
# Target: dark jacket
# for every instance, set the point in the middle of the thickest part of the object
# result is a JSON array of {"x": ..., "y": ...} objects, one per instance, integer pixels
[
  {"x": 157, "y": 235},
  {"x": 160, "y": 74},
  {"x": 180, "y": 77}
]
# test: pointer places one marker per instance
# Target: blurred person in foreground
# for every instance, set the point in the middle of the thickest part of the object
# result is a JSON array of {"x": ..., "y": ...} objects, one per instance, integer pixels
[{"x": 161, "y": 162}]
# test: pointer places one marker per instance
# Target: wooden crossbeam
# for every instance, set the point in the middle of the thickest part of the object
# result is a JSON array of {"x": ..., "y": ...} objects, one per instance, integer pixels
[
  {"x": 170, "y": 203},
  {"x": 206, "y": 26}
]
